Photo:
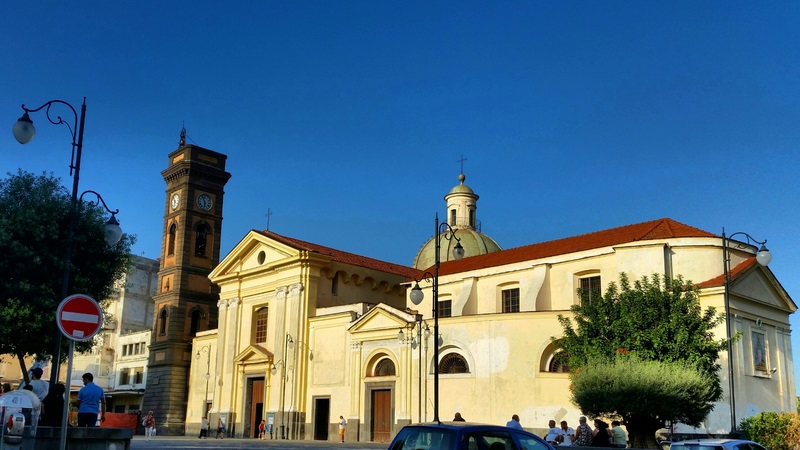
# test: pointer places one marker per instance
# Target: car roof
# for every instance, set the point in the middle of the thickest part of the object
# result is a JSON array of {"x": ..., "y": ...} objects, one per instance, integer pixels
[{"x": 711, "y": 441}]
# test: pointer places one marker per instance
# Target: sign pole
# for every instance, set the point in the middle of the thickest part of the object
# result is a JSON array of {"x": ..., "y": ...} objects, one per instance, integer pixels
[{"x": 65, "y": 411}]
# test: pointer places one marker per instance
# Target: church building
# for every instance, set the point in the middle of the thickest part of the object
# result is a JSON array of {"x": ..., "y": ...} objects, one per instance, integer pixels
[{"x": 302, "y": 333}]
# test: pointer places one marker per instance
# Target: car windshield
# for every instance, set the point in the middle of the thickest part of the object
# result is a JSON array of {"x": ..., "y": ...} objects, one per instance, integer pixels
[{"x": 413, "y": 438}]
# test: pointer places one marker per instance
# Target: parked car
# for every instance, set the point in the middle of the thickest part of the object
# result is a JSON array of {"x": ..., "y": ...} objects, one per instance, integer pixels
[
  {"x": 465, "y": 436},
  {"x": 715, "y": 444}
]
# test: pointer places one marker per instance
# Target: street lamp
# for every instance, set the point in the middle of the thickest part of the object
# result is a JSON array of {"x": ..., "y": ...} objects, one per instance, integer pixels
[
  {"x": 418, "y": 342},
  {"x": 445, "y": 231},
  {"x": 763, "y": 257},
  {"x": 274, "y": 370},
  {"x": 205, "y": 349},
  {"x": 24, "y": 132}
]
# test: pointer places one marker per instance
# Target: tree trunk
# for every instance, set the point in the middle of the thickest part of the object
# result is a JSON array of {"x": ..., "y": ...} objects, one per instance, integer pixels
[
  {"x": 642, "y": 432},
  {"x": 24, "y": 369}
]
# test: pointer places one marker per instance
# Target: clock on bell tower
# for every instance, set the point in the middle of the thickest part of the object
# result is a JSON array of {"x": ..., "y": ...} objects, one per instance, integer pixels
[{"x": 186, "y": 302}]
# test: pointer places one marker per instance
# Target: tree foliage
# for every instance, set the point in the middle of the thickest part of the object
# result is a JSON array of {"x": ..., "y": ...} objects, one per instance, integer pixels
[
  {"x": 654, "y": 319},
  {"x": 643, "y": 393},
  {"x": 34, "y": 218},
  {"x": 775, "y": 431}
]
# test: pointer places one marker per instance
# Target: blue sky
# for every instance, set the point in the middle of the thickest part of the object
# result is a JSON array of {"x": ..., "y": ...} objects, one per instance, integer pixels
[{"x": 346, "y": 119}]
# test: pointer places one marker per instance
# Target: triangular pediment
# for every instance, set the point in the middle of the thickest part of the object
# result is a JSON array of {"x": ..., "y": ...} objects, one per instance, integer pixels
[
  {"x": 759, "y": 288},
  {"x": 254, "y": 354},
  {"x": 381, "y": 318},
  {"x": 254, "y": 253}
]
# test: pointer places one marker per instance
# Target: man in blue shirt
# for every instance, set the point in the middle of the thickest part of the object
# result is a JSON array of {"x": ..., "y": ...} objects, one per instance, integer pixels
[{"x": 91, "y": 399}]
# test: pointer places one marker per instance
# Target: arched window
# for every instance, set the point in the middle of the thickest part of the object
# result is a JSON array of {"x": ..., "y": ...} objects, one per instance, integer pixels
[
  {"x": 384, "y": 368},
  {"x": 162, "y": 322},
  {"x": 201, "y": 230},
  {"x": 196, "y": 315},
  {"x": 173, "y": 229},
  {"x": 453, "y": 363},
  {"x": 261, "y": 325},
  {"x": 559, "y": 363}
]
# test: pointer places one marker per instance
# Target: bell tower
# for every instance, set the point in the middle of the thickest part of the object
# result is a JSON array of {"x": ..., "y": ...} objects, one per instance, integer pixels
[{"x": 186, "y": 302}]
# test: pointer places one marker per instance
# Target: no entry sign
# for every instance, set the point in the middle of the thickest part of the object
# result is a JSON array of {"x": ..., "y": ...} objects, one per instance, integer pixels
[{"x": 79, "y": 317}]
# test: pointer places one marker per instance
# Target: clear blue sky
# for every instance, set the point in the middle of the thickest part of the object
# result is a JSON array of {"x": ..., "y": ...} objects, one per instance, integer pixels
[{"x": 346, "y": 119}]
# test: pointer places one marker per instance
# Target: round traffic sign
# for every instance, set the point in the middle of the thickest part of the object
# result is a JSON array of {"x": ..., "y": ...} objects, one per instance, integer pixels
[{"x": 79, "y": 317}]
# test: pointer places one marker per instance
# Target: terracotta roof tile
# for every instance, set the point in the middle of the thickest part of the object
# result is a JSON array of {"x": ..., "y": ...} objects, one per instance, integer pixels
[
  {"x": 735, "y": 272},
  {"x": 343, "y": 257},
  {"x": 655, "y": 229}
]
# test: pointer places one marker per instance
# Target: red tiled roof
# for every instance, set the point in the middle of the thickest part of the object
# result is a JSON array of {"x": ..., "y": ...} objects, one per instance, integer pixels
[
  {"x": 655, "y": 229},
  {"x": 735, "y": 272},
  {"x": 343, "y": 257}
]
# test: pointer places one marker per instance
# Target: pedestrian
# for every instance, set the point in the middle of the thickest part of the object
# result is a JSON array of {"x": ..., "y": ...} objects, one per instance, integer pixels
[
  {"x": 458, "y": 418},
  {"x": 203, "y": 428},
  {"x": 53, "y": 407},
  {"x": 149, "y": 423},
  {"x": 38, "y": 386},
  {"x": 262, "y": 429},
  {"x": 567, "y": 434},
  {"x": 91, "y": 399},
  {"x": 342, "y": 426},
  {"x": 220, "y": 429},
  {"x": 514, "y": 422},
  {"x": 583, "y": 435},
  {"x": 618, "y": 435},
  {"x": 600, "y": 436},
  {"x": 553, "y": 434}
]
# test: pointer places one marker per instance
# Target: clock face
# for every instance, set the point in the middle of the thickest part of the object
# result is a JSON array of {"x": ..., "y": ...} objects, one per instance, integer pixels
[
  {"x": 204, "y": 202},
  {"x": 174, "y": 202}
]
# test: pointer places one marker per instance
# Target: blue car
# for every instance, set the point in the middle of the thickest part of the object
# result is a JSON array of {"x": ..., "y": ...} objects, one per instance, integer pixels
[
  {"x": 465, "y": 436},
  {"x": 716, "y": 444}
]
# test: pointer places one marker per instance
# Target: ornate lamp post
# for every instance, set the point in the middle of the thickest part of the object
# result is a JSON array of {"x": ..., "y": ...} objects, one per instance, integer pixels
[
  {"x": 763, "y": 257},
  {"x": 445, "y": 231},
  {"x": 24, "y": 132},
  {"x": 205, "y": 349},
  {"x": 282, "y": 363}
]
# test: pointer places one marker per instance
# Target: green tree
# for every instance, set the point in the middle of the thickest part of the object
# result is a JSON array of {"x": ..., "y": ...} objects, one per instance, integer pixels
[
  {"x": 643, "y": 393},
  {"x": 654, "y": 318},
  {"x": 34, "y": 217},
  {"x": 775, "y": 431}
]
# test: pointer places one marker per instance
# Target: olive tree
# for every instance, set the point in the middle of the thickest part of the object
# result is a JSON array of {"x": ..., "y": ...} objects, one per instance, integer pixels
[{"x": 652, "y": 319}]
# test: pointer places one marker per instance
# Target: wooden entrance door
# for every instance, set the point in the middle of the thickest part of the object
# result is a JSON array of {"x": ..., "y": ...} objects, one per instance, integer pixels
[
  {"x": 381, "y": 415},
  {"x": 256, "y": 405}
]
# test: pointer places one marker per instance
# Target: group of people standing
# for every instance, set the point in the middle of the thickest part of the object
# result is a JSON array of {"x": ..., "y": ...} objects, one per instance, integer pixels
[
  {"x": 90, "y": 401},
  {"x": 584, "y": 436}
]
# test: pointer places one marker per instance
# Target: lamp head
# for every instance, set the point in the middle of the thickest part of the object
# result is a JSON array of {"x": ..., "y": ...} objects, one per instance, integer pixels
[
  {"x": 274, "y": 369},
  {"x": 458, "y": 251},
  {"x": 197, "y": 355},
  {"x": 113, "y": 231},
  {"x": 401, "y": 336},
  {"x": 24, "y": 130},
  {"x": 416, "y": 295},
  {"x": 763, "y": 256}
]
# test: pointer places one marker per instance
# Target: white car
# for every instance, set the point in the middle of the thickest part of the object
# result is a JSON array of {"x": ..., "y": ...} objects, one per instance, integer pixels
[{"x": 716, "y": 444}]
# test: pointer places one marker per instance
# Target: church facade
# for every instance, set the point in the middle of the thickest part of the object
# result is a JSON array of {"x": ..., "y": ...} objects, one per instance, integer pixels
[{"x": 307, "y": 333}]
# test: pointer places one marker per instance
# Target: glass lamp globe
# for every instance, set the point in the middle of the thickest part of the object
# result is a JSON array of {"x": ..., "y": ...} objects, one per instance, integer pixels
[
  {"x": 416, "y": 295},
  {"x": 114, "y": 234},
  {"x": 24, "y": 130},
  {"x": 763, "y": 256}
]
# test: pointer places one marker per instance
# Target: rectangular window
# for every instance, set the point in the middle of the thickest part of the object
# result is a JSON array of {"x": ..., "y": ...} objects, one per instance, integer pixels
[
  {"x": 511, "y": 300},
  {"x": 445, "y": 308},
  {"x": 590, "y": 289},
  {"x": 143, "y": 348},
  {"x": 124, "y": 350},
  {"x": 136, "y": 349},
  {"x": 759, "y": 352},
  {"x": 261, "y": 325},
  {"x": 123, "y": 376},
  {"x": 452, "y": 218},
  {"x": 138, "y": 375}
]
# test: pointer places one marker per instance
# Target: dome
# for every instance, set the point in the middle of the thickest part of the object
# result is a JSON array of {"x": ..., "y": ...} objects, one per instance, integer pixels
[{"x": 474, "y": 243}]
